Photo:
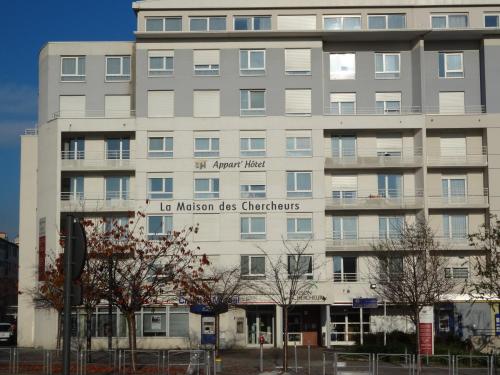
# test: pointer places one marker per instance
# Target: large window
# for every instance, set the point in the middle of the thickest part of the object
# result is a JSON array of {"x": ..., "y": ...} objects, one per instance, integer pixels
[
  {"x": 253, "y": 265},
  {"x": 344, "y": 188},
  {"x": 342, "y": 22},
  {"x": 117, "y": 68},
  {"x": 206, "y": 62},
  {"x": 390, "y": 185},
  {"x": 345, "y": 227},
  {"x": 252, "y": 102},
  {"x": 252, "y": 62},
  {"x": 159, "y": 227},
  {"x": 299, "y": 228},
  {"x": 160, "y": 147},
  {"x": 206, "y": 188},
  {"x": 449, "y": 21},
  {"x": 344, "y": 146},
  {"x": 252, "y": 145},
  {"x": 451, "y": 65},
  {"x": 242, "y": 23},
  {"x": 160, "y": 24},
  {"x": 160, "y": 63},
  {"x": 206, "y": 147},
  {"x": 160, "y": 187},
  {"x": 454, "y": 188},
  {"x": 386, "y": 21},
  {"x": 390, "y": 226},
  {"x": 73, "y": 149},
  {"x": 300, "y": 266},
  {"x": 342, "y": 103},
  {"x": 455, "y": 226},
  {"x": 298, "y": 143},
  {"x": 388, "y": 102},
  {"x": 253, "y": 184},
  {"x": 117, "y": 187},
  {"x": 72, "y": 188},
  {"x": 118, "y": 148},
  {"x": 207, "y": 23},
  {"x": 342, "y": 66},
  {"x": 73, "y": 68},
  {"x": 253, "y": 228},
  {"x": 492, "y": 20},
  {"x": 456, "y": 272},
  {"x": 345, "y": 269},
  {"x": 298, "y": 184},
  {"x": 387, "y": 65}
]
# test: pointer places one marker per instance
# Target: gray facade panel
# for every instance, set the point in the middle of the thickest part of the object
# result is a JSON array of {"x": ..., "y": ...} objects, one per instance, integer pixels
[{"x": 492, "y": 78}]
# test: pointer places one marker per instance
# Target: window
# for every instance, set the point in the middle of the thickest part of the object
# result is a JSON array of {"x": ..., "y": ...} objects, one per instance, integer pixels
[
  {"x": 252, "y": 23},
  {"x": 342, "y": 103},
  {"x": 206, "y": 147},
  {"x": 452, "y": 102},
  {"x": 253, "y": 265},
  {"x": 298, "y": 101},
  {"x": 206, "y": 188},
  {"x": 252, "y": 184},
  {"x": 299, "y": 228},
  {"x": 342, "y": 66},
  {"x": 295, "y": 23},
  {"x": 161, "y": 103},
  {"x": 206, "y": 62},
  {"x": 392, "y": 267},
  {"x": 72, "y": 188},
  {"x": 387, "y": 65},
  {"x": 300, "y": 266},
  {"x": 345, "y": 269},
  {"x": 252, "y": 102},
  {"x": 451, "y": 65},
  {"x": 118, "y": 223},
  {"x": 298, "y": 184},
  {"x": 388, "y": 103},
  {"x": 253, "y": 228},
  {"x": 455, "y": 226},
  {"x": 386, "y": 21},
  {"x": 252, "y": 62},
  {"x": 160, "y": 187},
  {"x": 117, "y": 68},
  {"x": 390, "y": 227},
  {"x": 344, "y": 188},
  {"x": 344, "y": 146},
  {"x": 72, "y": 106},
  {"x": 118, "y": 148},
  {"x": 117, "y": 188},
  {"x": 160, "y": 147},
  {"x": 390, "y": 185},
  {"x": 449, "y": 21},
  {"x": 491, "y": 20},
  {"x": 252, "y": 144},
  {"x": 453, "y": 147},
  {"x": 159, "y": 227},
  {"x": 73, "y": 149},
  {"x": 160, "y": 63},
  {"x": 298, "y": 143},
  {"x": 207, "y": 23},
  {"x": 342, "y": 22},
  {"x": 73, "y": 68},
  {"x": 298, "y": 61},
  {"x": 454, "y": 188},
  {"x": 456, "y": 273},
  {"x": 390, "y": 145},
  {"x": 206, "y": 103},
  {"x": 163, "y": 24},
  {"x": 117, "y": 106}
]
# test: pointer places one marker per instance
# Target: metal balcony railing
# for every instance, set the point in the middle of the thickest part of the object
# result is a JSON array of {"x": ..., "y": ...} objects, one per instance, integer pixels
[
  {"x": 377, "y": 158},
  {"x": 459, "y": 157},
  {"x": 97, "y": 160},
  {"x": 383, "y": 199},
  {"x": 459, "y": 201},
  {"x": 407, "y": 110},
  {"x": 111, "y": 200},
  {"x": 94, "y": 114}
]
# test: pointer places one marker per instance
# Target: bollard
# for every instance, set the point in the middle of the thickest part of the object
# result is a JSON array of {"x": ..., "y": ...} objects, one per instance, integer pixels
[
  {"x": 295, "y": 355},
  {"x": 218, "y": 364},
  {"x": 308, "y": 359}
]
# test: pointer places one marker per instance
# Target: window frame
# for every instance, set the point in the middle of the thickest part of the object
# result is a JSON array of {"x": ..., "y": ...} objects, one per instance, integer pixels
[
  {"x": 163, "y": 30},
  {"x": 386, "y": 74},
  {"x": 211, "y": 152},
  {"x": 299, "y": 193},
  {"x": 164, "y": 194},
  {"x": 250, "y": 152},
  {"x": 342, "y": 276},
  {"x": 124, "y": 189},
  {"x": 298, "y": 72},
  {"x": 121, "y": 77},
  {"x": 338, "y": 105},
  {"x": 79, "y": 77},
  {"x": 449, "y": 273},
  {"x": 342, "y": 16},
  {"x": 170, "y": 154},
  {"x": 447, "y": 20},
  {"x": 308, "y": 275},
  {"x": 386, "y": 17},
  {"x": 252, "y": 22},
  {"x": 156, "y": 236},
  {"x": 249, "y": 112},
  {"x": 251, "y": 71},
  {"x": 206, "y": 70},
  {"x": 122, "y": 154},
  {"x": 451, "y": 235},
  {"x": 450, "y": 178},
  {"x": 251, "y": 235},
  {"x": 296, "y": 234},
  {"x": 250, "y": 273},
  {"x": 208, "y": 28},
  {"x": 167, "y": 72},
  {"x": 297, "y": 152},
  {"x": 334, "y": 75},
  {"x": 497, "y": 15},
  {"x": 211, "y": 193},
  {"x": 251, "y": 193},
  {"x": 445, "y": 67},
  {"x": 388, "y": 235}
]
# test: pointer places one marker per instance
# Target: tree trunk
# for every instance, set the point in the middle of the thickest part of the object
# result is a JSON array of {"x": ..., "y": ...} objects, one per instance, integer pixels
[
  {"x": 58, "y": 336},
  {"x": 217, "y": 334},
  {"x": 132, "y": 338},
  {"x": 417, "y": 351},
  {"x": 285, "y": 338},
  {"x": 88, "y": 330}
]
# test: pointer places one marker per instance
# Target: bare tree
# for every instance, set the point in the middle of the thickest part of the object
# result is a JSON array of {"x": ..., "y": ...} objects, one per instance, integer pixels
[
  {"x": 410, "y": 271},
  {"x": 288, "y": 277},
  {"x": 486, "y": 281}
]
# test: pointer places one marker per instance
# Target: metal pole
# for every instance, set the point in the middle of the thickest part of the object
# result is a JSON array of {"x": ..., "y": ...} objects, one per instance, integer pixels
[
  {"x": 295, "y": 354},
  {"x": 261, "y": 357},
  {"x": 361, "y": 325},
  {"x": 385, "y": 323},
  {"x": 67, "y": 296},
  {"x": 110, "y": 306}
]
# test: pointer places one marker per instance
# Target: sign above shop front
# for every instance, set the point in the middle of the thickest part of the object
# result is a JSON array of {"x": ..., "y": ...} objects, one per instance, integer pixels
[
  {"x": 364, "y": 303},
  {"x": 233, "y": 206}
]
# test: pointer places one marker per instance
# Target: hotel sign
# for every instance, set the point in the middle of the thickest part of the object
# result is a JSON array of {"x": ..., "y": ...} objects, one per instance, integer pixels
[
  {"x": 229, "y": 206},
  {"x": 228, "y": 165}
]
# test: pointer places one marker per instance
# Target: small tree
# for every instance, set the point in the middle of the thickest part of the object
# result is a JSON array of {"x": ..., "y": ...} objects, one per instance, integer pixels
[
  {"x": 486, "y": 281},
  {"x": 288, "y": 277},
  {"x": 411, "y": 271},
  {"x": 147, "y": 271}
]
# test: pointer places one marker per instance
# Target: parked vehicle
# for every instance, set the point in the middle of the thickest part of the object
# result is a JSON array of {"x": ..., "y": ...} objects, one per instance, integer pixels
[{"x": 7, "y": 333}]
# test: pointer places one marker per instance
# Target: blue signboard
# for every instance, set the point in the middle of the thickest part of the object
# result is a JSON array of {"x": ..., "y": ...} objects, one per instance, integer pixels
[
  {"x": 497, "y": 324},
  {"x": 365, "y": 303}
]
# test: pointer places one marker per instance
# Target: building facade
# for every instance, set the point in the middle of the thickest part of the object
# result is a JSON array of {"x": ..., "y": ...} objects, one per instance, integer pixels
[
  {"x": 9, "y": 270},
  {"x": 309, "y": 121}
]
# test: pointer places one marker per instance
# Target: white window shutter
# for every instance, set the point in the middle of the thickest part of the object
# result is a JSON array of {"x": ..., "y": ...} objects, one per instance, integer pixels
[
  {"x": 302, "y": 22},
  {"x": 298, "y": 101},
  {"x": 298, "y": 60},
  {"x": 453, "y": 146},
  {"x": 342, "y": 97},
  {"x": 72, "y": 105},
  {"x": 298, "y": 134},
  {"x": 393, "y": 142},
  {"x": 344, "y": 183},
  {"x": 164, "y": 53},
  {"x": 117, "y": 106},
  {"x": 160, "y": 103},
  {"x": 206, "y": 57},
  {"x": 451, "y": 102},
  {"x": 252, "y": 178},
  {"x": 388, "y": 97},
  {"x": 206, "y": 103}
]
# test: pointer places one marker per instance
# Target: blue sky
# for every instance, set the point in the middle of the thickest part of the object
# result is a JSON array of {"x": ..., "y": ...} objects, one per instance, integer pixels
[{"x": 27, "y": 25}]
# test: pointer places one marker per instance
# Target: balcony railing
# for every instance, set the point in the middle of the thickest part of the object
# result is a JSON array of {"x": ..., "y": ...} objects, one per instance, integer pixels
[
  {"x": 342, "y": 277},
  {"x": 459, "y": 201},
  {"x": 94, "y": 114},
  {"x": 375, "y": 158},
  {"x": 457, "y": 158},
  {"x": 456, "y": 242},
  {"x": 93, "y": 160},
  {"x": 408, "y": 110},
  {"x": 351, "y": 241},
  {"x": 110, "y": 201},
  {"x": 369, "y": 200}
]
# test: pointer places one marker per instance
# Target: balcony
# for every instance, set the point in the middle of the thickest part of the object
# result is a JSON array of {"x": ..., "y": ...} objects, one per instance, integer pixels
[
  {"x": 455, "y": 160},
  {"x": 96, "y": 202},
  {"x": 462, "y": 201},
  {"x": 368, "y": 200},
  {"x": 352, "y": 242},
  {"x": 115, "y": 114},
  {"x": 456, "y": 243},
  {"x": 405, "y": 110},
  {"x": 377, "y": 159},
  {"x": 97, "y": 161}
]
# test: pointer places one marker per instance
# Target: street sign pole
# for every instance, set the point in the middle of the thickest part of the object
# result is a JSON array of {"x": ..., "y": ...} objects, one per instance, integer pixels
[
  {"x": 68, "y": 263},
  {"x": 361, "y": 325}
]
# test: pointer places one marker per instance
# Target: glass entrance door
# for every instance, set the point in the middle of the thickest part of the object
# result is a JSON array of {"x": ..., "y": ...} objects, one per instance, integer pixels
[{"x": 260, "y": 324}]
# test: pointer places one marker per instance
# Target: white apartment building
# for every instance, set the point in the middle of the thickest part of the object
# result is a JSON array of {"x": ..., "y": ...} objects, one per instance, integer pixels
[{"x": 315, "y": 121}]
